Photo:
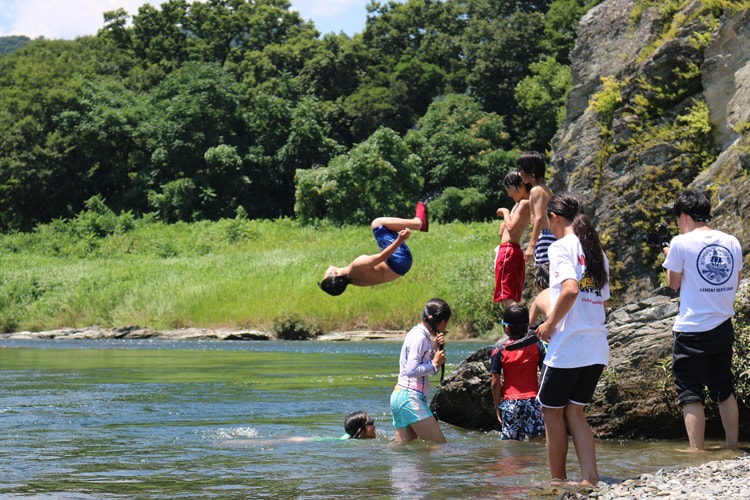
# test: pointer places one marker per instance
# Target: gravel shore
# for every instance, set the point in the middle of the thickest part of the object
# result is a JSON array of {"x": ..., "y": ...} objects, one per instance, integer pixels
[
  {"x": 712, "y": 480},
  {"x": 721, "y": 479}
]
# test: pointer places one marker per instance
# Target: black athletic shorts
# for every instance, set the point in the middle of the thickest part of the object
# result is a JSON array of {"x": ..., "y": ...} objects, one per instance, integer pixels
[
  {"x": 560, "y": 386},
  {"x": 703, "y": 359}
]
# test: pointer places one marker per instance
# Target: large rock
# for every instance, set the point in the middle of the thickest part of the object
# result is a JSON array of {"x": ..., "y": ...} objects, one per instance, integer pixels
[{"x": 614, "y": 170}]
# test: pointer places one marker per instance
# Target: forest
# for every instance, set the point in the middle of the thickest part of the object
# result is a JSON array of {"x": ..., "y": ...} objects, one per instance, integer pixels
[{"x": 209, "y": 110}]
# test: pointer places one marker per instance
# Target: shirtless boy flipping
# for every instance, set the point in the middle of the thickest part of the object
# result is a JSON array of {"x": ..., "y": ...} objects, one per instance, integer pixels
[
  {"x": 510, "y": 268},
  {"x": 531, "y": 167},
  {"x": 393, "y": 261}
]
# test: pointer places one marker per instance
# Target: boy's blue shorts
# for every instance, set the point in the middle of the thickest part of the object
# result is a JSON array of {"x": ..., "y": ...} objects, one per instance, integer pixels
[{"x": 401, "y": 260}]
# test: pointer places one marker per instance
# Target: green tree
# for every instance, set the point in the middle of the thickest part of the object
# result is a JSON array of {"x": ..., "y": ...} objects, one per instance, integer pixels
[
  {"x": 541, "y": 97},
  {"x": 194, "y": 109},
  {"x": 560, "y": 25},
  {"x": 379, "y": 176},
  {"x": 462, "y": 147},
  {"x": 499, "y": 51},
  {"x": 41, "y": 88},
  {"x": 10, "y": 43}
]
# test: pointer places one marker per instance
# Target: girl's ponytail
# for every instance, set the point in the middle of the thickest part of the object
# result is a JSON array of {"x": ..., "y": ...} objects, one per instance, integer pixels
[{"x": 570, "y": 206}]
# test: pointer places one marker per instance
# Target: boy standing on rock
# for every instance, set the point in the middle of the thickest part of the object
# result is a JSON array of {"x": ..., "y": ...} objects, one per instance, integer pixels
[
  {"x": 704, "y": 265},
  {"x": 510, "y": 268}
]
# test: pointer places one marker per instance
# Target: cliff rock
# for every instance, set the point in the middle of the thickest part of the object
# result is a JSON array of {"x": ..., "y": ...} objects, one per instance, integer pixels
[{"x": 628, "y": 167}]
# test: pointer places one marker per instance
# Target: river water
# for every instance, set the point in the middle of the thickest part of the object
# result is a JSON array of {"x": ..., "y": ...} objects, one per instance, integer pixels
[{"x": 83, "y": 419}]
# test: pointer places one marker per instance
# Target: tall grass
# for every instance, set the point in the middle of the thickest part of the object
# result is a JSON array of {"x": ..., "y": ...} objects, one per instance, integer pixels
[{"x": 235, "y": 273}]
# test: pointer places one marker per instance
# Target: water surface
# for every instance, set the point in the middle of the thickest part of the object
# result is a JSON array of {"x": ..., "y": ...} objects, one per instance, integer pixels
[{"x": 223, "y": 419}]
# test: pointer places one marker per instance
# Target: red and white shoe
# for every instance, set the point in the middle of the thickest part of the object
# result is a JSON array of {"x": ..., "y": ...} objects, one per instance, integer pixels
[{"x": 422, "y": 215}]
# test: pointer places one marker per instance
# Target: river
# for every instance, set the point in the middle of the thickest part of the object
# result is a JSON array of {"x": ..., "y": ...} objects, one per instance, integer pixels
[{"x": 93, "y": 419}]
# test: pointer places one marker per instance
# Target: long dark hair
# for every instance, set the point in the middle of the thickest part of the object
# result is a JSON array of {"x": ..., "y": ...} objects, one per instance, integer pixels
[
  {"x": 570, "y": 206},
  {"x": 435, "y": 311}
]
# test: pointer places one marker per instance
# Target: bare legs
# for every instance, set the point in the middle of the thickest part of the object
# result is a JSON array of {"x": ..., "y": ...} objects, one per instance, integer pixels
[
  {"x": 397, "y": 223},
  {"x": 695, "y": 423},
  {"x": 558, "y": 422},
  {"x": 427, "y": 429}
]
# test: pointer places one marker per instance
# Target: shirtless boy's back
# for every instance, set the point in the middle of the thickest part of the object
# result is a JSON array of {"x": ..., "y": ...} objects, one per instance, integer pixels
[{"x": 531, "y": 167}]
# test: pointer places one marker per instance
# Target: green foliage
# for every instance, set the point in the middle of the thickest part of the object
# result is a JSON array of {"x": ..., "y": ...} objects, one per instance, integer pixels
[
  {"x": 194, "y": 109},
  {"x": 293, "y": 327},
  {"x": 561, "y": 24},
  {"x": 378, "y": 177},
  {"x": 741, "y": 362},
  {"x": 10, "y": 43},
  {"x": 456, "y": 204},
  {"x": 606, "y": 101},
  {"x": 176, "y": 200},
  {"x": 463, "y": 147},
  {"x": 542, "y": 98}
]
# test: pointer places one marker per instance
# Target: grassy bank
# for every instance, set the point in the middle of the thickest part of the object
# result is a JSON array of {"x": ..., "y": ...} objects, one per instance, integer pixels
[{"x": 115, "y": 271}]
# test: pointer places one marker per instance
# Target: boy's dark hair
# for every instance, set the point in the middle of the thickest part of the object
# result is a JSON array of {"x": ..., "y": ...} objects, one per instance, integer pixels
[
  {"x": 514, "y": 179},
  {"x": 334, "y": 285},
  {"x": 516, "y": 318},
  {"x": 532, "y": 163},
  {"x": 542, "y": 276},
  {"x": 694, "y": 204}
]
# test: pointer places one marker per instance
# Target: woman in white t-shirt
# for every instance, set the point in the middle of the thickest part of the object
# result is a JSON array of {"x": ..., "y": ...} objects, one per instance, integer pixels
[{"x": 578, "y": 349}]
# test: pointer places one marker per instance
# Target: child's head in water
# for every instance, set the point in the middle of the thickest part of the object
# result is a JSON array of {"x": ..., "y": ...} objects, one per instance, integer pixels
[
  {"x": 359, "y": 425},
  {"x": 516, "y": 321}
]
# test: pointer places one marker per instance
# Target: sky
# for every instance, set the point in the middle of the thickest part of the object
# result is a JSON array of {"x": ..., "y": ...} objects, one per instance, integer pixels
[{"x": 67, "y": 19}]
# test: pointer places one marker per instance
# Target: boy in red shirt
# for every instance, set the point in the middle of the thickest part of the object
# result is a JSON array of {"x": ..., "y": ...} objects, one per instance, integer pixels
[{"x": 515, "y": 379}]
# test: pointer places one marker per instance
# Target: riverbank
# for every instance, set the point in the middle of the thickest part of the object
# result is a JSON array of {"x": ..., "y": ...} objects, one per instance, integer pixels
[
  {"x": 139, "y": 333},
  {"x": 720, "y": 479}
]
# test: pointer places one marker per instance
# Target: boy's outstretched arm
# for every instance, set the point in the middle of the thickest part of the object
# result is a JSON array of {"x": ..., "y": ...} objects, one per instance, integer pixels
[{"x": 370, "y": 261}]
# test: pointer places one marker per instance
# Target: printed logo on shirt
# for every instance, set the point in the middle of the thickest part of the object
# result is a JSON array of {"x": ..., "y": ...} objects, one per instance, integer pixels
[
  {"x": 588, "y": 285},
  {"x": 715, "y": 264}
]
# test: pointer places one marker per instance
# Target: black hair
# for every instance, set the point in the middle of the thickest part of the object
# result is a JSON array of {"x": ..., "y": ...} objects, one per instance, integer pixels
[
  {"x": 532, "y": 163},
  {"x": 355, "y": 424},
  {"x": 516, "y": 318},
  {"x": 570, "y": 206},
  {"x": 334, "y": 285},
  {"x": 542, "y": 276},
  {"x": 514, "y": 179},
  {"x": 694, "y": 204},
  {"x": 435, "y": 311}
]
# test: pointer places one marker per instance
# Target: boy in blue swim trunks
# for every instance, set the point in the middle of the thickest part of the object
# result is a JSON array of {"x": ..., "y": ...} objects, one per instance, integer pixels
[
  {"x": 532, "y": 168},
  {"x": 393, "y": 261}
]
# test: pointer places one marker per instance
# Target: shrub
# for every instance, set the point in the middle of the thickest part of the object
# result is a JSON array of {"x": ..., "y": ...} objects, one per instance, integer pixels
[
  {"x": 741, "y": 362},
  {"x": 292, "y": 327}
]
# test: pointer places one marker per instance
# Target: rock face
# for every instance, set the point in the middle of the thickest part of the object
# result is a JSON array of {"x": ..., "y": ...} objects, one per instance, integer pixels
[
  {"x": 635, "y": 397},
  {"x": 629, "y": 167}
]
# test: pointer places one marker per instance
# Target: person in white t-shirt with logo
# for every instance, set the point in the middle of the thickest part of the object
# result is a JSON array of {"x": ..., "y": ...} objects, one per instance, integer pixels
[
  {"x": 704, "y": 264},
  {"x": 578, "y": 348}
]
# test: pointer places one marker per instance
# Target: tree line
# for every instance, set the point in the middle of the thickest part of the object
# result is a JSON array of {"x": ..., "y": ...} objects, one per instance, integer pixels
[{"x": 206, "y": 110}]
